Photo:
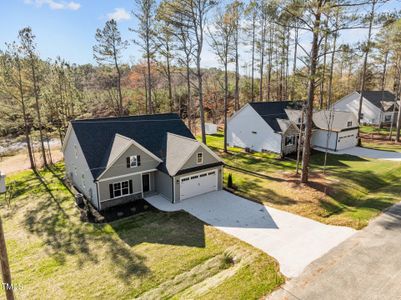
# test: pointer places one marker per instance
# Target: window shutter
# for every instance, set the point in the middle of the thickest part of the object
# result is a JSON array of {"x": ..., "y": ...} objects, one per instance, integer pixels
[
  {"x": 130, "y": 186},
  {"x": 128, "y": 162},
  {"x": 138, "y": 158},
  {"x": 111, "y": 191}
]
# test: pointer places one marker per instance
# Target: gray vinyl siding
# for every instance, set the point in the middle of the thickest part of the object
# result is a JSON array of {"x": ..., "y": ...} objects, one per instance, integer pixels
[
  {"x": 178, "y": 178},
  {"x": 164, "y": 184},
  {"x": 207, "y": 159},
  {"x": 104, "y": 191},
  {"x": 76, "y": 166},
  {"x": 119, "y": 167}
]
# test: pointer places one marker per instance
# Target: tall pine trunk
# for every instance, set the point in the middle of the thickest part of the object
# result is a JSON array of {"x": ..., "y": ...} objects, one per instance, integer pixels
[
  {"x": 294, "y": 65},
  {"x": 311, "y": 93},
  {"x": 236, "y": 89},
  {"x": 365, "y": 64},
  {"x": 37, "y": 108}
]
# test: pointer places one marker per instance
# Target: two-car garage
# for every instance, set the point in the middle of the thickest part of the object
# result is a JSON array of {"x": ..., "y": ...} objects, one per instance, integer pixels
[{"x": 198, "y": 183}]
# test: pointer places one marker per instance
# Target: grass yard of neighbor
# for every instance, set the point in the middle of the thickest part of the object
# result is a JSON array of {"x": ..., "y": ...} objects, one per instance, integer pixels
[
  {"x": 353, "y": 190},
  {"x": 152, "y": 255},
  {"x": 378, "y": 138}
]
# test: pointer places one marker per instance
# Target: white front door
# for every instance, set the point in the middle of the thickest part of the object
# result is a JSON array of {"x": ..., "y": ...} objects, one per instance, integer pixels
[{"x": 197, "y": 184}]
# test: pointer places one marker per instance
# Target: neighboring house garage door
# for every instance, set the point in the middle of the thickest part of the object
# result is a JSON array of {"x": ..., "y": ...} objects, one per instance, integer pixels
[
  {"x": 197, "y": 184},
  {"x": 347, "y": 139}
]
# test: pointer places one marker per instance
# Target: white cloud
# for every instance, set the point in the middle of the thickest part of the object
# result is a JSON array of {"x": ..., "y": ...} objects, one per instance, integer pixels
[
  {"x": 119, "y": 14},
  {"x": 55, "y": 5}
]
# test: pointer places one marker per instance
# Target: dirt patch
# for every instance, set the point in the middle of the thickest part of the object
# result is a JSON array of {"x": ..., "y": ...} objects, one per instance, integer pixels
[
  {"x": 318, "y": 186},
  {"x": 20, "y": 161}
]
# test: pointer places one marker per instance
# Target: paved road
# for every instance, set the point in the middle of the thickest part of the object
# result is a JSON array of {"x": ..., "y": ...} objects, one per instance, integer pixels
[
  {"x": 366, "y": 266},
  {"x": 371, "y": 153},
  {"x": 293, "y": 240}
]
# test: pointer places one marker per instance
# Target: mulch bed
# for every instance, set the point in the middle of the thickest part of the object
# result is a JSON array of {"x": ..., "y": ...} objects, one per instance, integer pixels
[{"x": 90, "y": 214}]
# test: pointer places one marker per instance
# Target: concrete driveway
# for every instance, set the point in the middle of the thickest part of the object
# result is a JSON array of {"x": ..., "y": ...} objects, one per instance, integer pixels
[
  {"x": 293, "y": 240},
  {"x": 366, "y": 266},
  {"x": 370, "y": 153}
]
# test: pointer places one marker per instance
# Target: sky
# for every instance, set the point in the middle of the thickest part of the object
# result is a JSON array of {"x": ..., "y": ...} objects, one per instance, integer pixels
[{"x": 67, "y": 28}]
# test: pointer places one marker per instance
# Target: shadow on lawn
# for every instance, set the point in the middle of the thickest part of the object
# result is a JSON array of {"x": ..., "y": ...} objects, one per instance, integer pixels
[
  {"x": 262, "y": 193},
  {"x": 369, "y": 182},
  {"x": 176, "y": 228},
  {"x": 52, "y": 219}
]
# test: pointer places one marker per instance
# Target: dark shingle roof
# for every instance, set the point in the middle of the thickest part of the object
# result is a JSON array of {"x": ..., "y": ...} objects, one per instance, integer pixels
[
  {"x": 271, "y": 111},
  {"x": 96, "y": 135},
  {"x": 377, "y": 96}
]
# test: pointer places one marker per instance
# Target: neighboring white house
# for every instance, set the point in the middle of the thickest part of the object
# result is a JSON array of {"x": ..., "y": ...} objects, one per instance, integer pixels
[
  {"x": 378, "y": 107},
  {"x": 210, "y": 128},
  {"x": 334, "y": 130},
  {"x": 264, "y": 127}
]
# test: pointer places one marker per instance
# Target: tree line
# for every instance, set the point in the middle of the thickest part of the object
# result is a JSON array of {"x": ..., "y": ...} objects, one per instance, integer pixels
[{"x": 267, "y": 50}]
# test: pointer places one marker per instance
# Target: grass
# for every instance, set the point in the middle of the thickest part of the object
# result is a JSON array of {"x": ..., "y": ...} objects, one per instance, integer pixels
[
  {"x": 351, "y": 192},
  {"x": 152, "y": 255},
  {"x": 378, "y": 138}
]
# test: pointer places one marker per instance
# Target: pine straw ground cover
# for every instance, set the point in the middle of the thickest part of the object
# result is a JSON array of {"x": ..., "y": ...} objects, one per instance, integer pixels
[
  {"x": 152, "y": 255},
  {"x": 351, "y": 192}
]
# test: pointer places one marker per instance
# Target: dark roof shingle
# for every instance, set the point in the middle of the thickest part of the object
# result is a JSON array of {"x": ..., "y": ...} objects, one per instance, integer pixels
[
  {"x": 96, "y": 135},
  {"x": 271, "y": 111},
  {"x": 376, "y": 97}
]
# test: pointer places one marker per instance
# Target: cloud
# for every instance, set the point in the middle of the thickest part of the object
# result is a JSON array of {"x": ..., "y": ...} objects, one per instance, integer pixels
[
  {"x": 119, "y": 14},
  {"x": 55, "y": 5}
]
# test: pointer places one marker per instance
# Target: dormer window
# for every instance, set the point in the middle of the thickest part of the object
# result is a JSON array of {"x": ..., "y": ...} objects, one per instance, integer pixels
[
  {"x": 133, "y": 161},
  {"x": 349, "y": 123},
  {"x": 199, "y": 158}
]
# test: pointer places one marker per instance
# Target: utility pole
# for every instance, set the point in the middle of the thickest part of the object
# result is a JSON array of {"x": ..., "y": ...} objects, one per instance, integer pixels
[{"x": 5, "y": 268}]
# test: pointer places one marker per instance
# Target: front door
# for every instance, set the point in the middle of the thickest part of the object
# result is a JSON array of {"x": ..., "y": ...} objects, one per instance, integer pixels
[{"x": 145, "y": 183}]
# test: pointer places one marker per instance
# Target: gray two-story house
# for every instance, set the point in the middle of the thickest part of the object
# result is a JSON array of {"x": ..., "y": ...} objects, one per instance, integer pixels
[{"x": 112, "y": 161}]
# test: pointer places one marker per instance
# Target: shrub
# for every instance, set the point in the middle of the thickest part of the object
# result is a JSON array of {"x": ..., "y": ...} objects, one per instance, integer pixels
[{"x": 230, "y": 181}]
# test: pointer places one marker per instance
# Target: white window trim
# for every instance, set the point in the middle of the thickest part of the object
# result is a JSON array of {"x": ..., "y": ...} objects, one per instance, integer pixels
[
  {"x": 133, "y": 158},
  {"x": 197, "y": 158},
  {"x": 121, "y": 189}
]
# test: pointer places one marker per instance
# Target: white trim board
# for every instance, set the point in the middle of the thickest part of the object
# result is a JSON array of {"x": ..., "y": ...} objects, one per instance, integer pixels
[{"x": 129, "y": 174}]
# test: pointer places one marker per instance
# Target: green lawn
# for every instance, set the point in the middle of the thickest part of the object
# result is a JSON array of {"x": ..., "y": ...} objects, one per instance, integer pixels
[
  {"x": 378, "y": 138},
  {"x": 353, "y": 190},
  {"x": 152, "y": 255}
]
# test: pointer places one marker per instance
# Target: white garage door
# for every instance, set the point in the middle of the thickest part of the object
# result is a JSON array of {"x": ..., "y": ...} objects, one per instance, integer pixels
[
  {"x": 197, "y": 184},
  {"x": 347, "y": 139}
]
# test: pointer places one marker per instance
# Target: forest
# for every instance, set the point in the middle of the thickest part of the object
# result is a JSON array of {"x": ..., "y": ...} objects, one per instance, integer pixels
[{"x": 268, "y": 50}]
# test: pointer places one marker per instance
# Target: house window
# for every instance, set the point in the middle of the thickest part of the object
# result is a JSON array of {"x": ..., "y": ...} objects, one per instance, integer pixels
[
  {"x": 119, "y": 189},
  {"x": 133, "y": 161},
  {"x": 361, "y": 117},
  {"x": 199, "y": 158},
  {"x": 299, "y": 120},
  {"x": 254, "y": 132},
  {"x": 76, "y": 151},
  {"x": 349, "y": 123},
  {"x": 289, "y": 140},
  {"x": 83, "y": 181},
  {"x": 387, "y": 118}
]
